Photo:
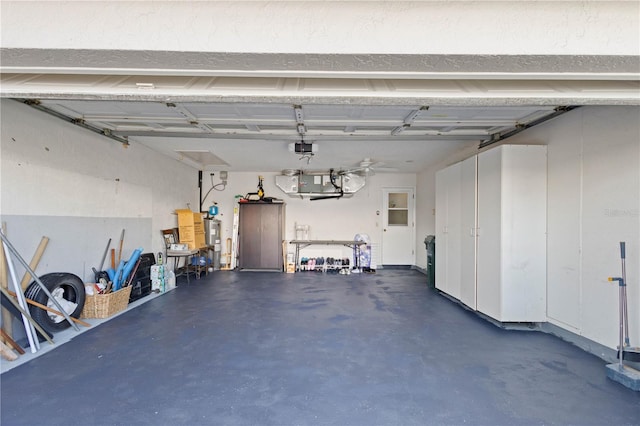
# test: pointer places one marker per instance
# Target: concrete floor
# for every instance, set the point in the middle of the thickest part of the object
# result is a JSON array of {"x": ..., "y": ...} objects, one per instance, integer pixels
[{"x": 248, "y": 348}]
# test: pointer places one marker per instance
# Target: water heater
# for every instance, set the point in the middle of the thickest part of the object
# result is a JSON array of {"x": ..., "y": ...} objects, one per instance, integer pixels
[{"x": 212, "y": 239}]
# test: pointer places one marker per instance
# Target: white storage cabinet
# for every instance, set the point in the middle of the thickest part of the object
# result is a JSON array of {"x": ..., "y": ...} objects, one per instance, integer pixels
[
  {"x": 512, "y": 239},
  {"x": 448, "y": 259},
  {"x": 455, "y": 231},
  {"x": 491, "y": 232}
]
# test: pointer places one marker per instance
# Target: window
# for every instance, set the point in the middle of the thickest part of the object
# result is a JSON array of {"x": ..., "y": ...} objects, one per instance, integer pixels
[{"x": 397, "y": 210}]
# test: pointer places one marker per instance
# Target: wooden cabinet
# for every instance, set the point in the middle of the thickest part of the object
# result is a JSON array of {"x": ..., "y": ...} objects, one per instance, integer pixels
[
  {"x": 260, "y": 236},
  {"x": 491, "y": 232}
]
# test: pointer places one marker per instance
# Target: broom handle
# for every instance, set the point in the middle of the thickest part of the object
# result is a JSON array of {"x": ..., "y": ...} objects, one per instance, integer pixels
[
  {"x": 104, "y": 256},
  {"x": 121, "y": 243},
  {"x": 133, "y": 273}
]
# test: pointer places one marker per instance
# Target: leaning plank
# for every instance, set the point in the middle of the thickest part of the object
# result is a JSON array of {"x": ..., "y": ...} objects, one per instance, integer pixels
[
  {"x": 8, "y": 247},
  {"x": 11, "y": 342},
  {"x": 34, "y": 262},
  {"x": 7, "y": 353}
]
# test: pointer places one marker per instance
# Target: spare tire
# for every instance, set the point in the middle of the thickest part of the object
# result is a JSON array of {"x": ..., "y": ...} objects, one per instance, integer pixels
[{"x": 68, "y": 286}]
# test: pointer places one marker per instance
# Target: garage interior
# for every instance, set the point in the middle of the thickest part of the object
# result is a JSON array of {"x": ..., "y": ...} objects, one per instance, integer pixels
[{"x": 108, "y": 123}]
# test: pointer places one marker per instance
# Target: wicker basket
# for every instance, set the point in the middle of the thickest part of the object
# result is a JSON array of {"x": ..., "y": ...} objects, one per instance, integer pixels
[{"x": 105, "y": 305}]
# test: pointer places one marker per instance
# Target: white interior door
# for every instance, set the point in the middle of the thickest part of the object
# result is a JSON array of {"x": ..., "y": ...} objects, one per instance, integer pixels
[{"x": 398, "y": 232}]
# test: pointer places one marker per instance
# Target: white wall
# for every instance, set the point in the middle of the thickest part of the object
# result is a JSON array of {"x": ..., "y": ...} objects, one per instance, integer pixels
[
  {"x": 422, "y": 27},
  {"x": 593, "y": 204},
  {"x": 330, "y": 219},
  {"x": 80, "y": 189}
]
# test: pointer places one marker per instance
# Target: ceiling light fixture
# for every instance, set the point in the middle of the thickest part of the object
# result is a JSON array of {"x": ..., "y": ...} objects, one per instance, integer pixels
[{"x": 146, "y": 86}]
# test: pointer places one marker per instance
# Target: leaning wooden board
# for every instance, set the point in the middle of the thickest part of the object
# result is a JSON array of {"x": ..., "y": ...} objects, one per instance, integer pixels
[{"x": 34, "y": 262}]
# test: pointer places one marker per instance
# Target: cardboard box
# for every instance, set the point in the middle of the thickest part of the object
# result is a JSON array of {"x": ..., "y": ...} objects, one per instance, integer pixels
[
  {"x": 185, "y": 217},
  {"x": 198, "y": 223},
  {"x": 191, "y": 228}
]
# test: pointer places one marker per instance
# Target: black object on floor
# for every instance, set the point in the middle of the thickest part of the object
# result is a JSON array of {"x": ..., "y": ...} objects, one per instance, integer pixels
[
  {"x": 262, "y": 348},
  {"x": 141, "y": 283}
]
